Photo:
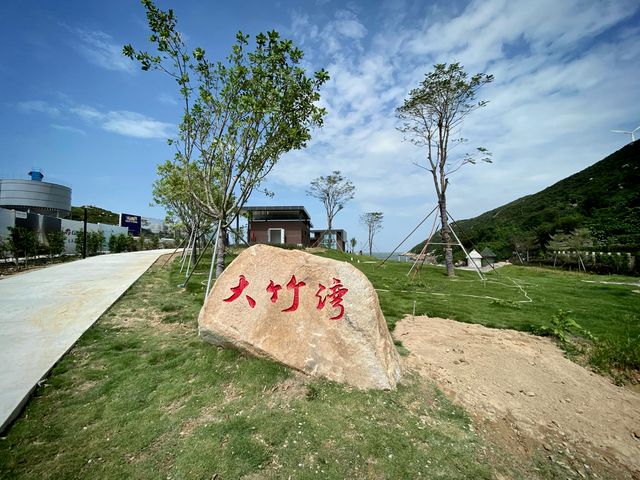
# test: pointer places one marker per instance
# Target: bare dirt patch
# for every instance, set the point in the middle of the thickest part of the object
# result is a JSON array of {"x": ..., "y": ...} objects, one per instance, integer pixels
[
  {"x": 290, "y": 389},
  {"x": 521, "y": 388},
  {"x": 166, "y": 258}
]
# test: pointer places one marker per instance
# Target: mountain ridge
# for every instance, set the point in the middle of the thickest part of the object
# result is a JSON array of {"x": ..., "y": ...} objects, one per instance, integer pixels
[{"x": 604, "y": 197}]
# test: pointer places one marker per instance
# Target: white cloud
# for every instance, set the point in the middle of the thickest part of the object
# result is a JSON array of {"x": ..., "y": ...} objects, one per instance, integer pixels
[
  {"x": 68, "y": 128},
  {"x": 565, "y": 74},
  {"x": 347, "y": 25},
  {"x": 99, "y": 48},
  {"x": 133, "y": 124},
  {"x": 121, "y": 122},
  {"x": 341, "y": 34},
  {"x": 86, "y": 112},
  {"x": 38, "y": 106}
]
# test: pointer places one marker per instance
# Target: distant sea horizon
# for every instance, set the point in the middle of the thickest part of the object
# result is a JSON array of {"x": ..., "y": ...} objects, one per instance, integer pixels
[{"x": 383, "y": 255}]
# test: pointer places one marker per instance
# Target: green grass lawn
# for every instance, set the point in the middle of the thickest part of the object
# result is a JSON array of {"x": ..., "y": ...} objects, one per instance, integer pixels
[
  {"x": 520, "y": 298},
  {"x": 142, "y": 396}
]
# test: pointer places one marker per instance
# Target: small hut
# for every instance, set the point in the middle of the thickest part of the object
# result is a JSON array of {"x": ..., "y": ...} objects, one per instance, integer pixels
[
  {"x": 488, "y": 257},
  {"x": 474, "y": 258}
]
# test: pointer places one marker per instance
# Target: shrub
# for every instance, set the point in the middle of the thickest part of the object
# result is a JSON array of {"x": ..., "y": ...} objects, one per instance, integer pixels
[
  {"x": 119, "y": 243},
  {"x": 561, "y": 325},
  {"x": 4, "y": 248},
  {"x": 56, "y": 242},
  {"x": 22, "y": 241},
  {"x": 616, "y": 354},
  {"x": 95, "y": 242}
]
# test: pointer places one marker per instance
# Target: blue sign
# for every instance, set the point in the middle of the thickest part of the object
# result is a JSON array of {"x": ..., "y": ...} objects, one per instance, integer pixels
[{"x": 132, "y": 222}]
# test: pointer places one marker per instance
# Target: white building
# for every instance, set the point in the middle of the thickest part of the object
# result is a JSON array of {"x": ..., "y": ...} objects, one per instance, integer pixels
[{"x": 474, "y": 258}]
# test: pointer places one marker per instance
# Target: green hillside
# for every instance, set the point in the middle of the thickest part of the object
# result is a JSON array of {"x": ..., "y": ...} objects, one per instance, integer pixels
[
  {"x": 605, "y": 198},
  {"x": 95, "y": 215}
]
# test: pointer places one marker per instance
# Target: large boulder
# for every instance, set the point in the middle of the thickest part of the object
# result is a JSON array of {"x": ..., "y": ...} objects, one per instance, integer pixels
[{"x": 314, "y": 314}]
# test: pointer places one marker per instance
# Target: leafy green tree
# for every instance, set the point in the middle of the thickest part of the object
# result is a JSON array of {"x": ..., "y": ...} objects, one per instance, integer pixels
[
  {"x": 131, "y": 243},
  {"x": 353, "y": 242},
  {"x": 4, "y": 247},
  {"x": 524, "y": 244},
  {"x": 56, "y": 242},
  {"x": 95, "y": 242},
  {"x": 578, "y": 240},
  {"x": 430, "y": 118},
  {"x": 173, "y": 190},
  {"x": 79, "y": 242},
  {"x": 112, "y": 244},
  {"x": 118, "y": 243},
  {"x": 240, "y": 115},
  {"x": 558, "y": 242},
  {"x": 122, "y": 242},
  {"x": 333, "y": 191},
  {"x": 373, "y": 222},
  {"x": 22, "y": 242}
]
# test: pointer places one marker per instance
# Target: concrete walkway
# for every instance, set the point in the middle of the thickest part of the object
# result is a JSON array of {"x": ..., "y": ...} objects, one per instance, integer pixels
[{"x": 44, "y": 312}]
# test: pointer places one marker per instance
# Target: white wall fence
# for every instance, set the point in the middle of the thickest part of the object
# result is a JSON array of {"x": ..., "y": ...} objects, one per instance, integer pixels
[{"x": 42, "y": 224}]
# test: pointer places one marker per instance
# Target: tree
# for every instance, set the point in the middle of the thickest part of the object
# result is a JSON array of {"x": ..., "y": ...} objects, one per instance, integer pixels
[
  {"x": 524, "y": 243},
  {"x": 95, "y": 242},
  {"x": 4, "y": 248},
  {"x": 119, "y": 243},
  {"x": 578, "y": 240},
  {"x": 239, "y": 117},
  {"x": 173, "y": 191},
  {"x": 22, "y": 241},
  {"x": 430, "y": 116},
  {"x": 373, "y": 222},
  {"x": 56, "y": 241},
  {"x": 333, "y": 191},
  {"x": 353, "y": 242}
]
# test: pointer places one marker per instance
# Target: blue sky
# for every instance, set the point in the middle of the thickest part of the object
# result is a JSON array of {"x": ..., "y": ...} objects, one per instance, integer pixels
[{"x": 566, "y": 73}]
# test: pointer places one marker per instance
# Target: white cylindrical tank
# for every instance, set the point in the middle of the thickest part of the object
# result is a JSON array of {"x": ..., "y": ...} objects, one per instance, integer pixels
[{"x": 36, "y": 196}]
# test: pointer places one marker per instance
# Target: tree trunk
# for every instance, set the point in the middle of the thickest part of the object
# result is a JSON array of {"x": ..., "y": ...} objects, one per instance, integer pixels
[
  {"x": 446, "y": 237},
  {"x": 222, "y": 247},
  {"x": 329, "y": 221},
  {"x": 370, "y": 243}
]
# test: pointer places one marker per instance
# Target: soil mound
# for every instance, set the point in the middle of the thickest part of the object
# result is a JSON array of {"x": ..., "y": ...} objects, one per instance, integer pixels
[{"x": 524, "y": 381}]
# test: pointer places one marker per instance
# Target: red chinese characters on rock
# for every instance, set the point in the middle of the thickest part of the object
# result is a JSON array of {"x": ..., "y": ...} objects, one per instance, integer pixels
[
  {"x": 295, "y": 286},
  {"x": 273, "y": 290},
  {"x": 237, "y": 291},
  {"x": 335, "y": 294}
]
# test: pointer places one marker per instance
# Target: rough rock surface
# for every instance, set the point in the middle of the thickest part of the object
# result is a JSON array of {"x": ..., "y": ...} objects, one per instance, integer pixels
[{"x": 314, "y": 314}]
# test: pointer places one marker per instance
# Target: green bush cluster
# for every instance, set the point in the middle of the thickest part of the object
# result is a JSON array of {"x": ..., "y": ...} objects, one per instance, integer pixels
[
  {"x": 121, "y": 243},
  {"x": 619, "y": 356},
  {"x": 95, "y": 242},
  {"x": 55, "y": 240},
  {"x": 24, "y": 243}
]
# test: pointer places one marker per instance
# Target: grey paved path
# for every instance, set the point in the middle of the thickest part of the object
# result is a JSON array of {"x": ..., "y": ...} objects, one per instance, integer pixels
[{"x": 44, "y": 312}]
